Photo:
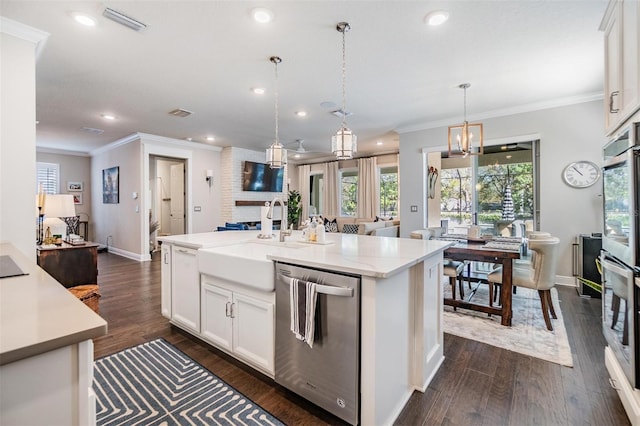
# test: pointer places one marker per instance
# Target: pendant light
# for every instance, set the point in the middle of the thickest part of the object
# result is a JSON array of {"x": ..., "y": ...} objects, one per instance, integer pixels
[
  {"x": 462, "y": 136},
  {"x": 344, "y": 143},
  {"x": 276, "y": 153}
]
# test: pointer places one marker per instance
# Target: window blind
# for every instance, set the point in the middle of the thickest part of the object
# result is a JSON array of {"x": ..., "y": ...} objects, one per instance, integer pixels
[{"x": 48, "y": 175}]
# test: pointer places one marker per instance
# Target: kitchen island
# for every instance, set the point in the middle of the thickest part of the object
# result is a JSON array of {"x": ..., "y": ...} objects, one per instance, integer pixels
[{"x": 204, "y": 276}]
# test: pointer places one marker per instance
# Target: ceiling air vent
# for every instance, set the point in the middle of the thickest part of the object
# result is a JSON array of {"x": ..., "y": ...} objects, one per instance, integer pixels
[
  {"x": 123, "y": 19},
  {"x": 340, "y": 113},
  {"x": 179, "y": 112},
  {"x": 92, "y": 130}
]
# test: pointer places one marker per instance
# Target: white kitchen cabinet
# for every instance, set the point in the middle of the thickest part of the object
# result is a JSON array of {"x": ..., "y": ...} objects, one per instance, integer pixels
[
  {"x": 185, "y": 288},
  {"x": 621, "y": 26},
  {"x": 240, "y": 324},
  {"x": 165, "y": 281},
  {"x": 34, "y": 393}
]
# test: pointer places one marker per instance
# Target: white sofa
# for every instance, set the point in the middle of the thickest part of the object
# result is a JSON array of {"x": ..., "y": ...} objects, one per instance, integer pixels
[{"x": 369, "y": 226}]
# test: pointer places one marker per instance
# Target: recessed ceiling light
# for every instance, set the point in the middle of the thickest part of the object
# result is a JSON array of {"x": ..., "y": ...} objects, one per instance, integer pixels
[
  {"x": 297, "y": 156},
  {"x": 210, "y": 138},
  {"x": 84, "y": 19},
  {"x": 379, "y": 143},
  {"x": 258, "y": 90},
  {"x": 108, "y": 116},
  {"x": 301, "y": 113},
  {"x": 262, "y": 15},
  {"x": 437, "y": 17}
]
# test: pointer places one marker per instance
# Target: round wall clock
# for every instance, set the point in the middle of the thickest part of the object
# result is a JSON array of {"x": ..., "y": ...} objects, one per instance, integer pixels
[{"x": 581, "y": 174}]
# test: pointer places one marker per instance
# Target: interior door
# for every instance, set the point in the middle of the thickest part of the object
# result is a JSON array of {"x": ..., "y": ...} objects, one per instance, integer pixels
[{"x": 177, "y": 199}]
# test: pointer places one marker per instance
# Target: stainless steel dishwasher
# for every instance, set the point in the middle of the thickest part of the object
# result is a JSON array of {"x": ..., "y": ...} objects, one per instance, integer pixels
[{"x": 329, "y": 373}]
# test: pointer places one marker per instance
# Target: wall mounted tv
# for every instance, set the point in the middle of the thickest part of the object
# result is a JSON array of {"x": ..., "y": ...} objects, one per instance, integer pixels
[{"x": 261, "y": 177}]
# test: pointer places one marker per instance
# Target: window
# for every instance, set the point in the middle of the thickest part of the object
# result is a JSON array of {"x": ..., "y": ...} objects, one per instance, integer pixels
[
  {"x": 348, "y": 192},
  {"x": 389, "y": 191},
  {"x": 48, "y": 175},
  {"x": 316, "y": 189},
  {"x": 496, "y": 190}
]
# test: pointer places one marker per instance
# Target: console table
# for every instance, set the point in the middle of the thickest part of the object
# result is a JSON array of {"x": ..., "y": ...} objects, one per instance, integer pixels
[{"x": 69, "y": 264}]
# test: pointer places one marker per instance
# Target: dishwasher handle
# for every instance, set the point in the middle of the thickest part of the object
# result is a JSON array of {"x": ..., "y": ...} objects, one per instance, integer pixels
[{"x": 325, "y": 289}]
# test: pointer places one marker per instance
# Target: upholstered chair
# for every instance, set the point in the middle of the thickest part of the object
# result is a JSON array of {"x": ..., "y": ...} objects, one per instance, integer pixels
[{"x": 540, "y": 275}]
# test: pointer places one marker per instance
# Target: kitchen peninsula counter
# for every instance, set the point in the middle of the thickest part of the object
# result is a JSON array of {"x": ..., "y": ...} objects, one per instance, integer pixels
[
  {"x": 46, "y": 351},
  {"x": 37, "y": 314}
]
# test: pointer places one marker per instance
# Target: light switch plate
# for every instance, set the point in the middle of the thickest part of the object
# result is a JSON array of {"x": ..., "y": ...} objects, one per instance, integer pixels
[
  {"x": 414, "y": 209},
  {"x": 197, "y": 208}
]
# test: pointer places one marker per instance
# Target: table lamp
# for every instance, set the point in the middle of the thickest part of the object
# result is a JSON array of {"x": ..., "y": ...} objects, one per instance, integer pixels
[{"x": 57, "y": 207}]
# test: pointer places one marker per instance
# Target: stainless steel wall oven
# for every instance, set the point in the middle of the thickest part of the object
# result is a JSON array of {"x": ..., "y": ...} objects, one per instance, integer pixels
[{"x": 620, "y": 258}]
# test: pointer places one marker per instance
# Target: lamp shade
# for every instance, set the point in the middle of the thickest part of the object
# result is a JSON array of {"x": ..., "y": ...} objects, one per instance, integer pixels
[
  {"x": 344, "y": 144},
  {"x": 59, "y": 205},
  {"x": 276, "y": 155}
]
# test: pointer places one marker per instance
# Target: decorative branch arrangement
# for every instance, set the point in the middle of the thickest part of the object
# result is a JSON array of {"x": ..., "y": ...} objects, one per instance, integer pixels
[{"x": 432, "y": 179}]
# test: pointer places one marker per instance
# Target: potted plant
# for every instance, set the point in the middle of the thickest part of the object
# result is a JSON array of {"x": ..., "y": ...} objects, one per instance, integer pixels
[{"x": 294, "y": 209}]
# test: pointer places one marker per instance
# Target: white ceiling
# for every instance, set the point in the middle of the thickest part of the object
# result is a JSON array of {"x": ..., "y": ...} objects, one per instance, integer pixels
[{"x": 205, "y": 56}]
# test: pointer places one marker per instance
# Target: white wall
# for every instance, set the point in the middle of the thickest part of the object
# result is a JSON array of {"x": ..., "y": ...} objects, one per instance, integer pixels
[
  {"x": 126, "y": 224},
  {"x": 567, "y": 134},
  {"x": 118, "y": 225},
  {"x": 18, "y": 44},
  {"x": 73, "y": 168}
]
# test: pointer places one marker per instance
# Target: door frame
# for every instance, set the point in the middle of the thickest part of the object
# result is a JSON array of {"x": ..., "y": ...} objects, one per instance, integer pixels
[{"x": 149, "y": 149}]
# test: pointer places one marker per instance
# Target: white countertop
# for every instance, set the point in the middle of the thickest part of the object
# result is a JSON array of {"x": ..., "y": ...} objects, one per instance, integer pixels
[
  {"x": 357, "y": 254},
  {"x": 37, "y": 314}
]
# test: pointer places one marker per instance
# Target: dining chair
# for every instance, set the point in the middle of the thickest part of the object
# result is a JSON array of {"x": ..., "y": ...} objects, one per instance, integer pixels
[{"x": 540, "y": 275}]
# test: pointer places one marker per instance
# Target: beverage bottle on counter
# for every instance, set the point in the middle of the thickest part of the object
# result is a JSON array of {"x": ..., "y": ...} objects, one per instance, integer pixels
[
  {"x": 313, "y": 229},
  {"x": 320, "y": 231}
]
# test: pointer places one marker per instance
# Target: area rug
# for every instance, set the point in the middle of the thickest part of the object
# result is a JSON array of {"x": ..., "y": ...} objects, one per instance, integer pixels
[
  {"x": 156, "y": 384},
  {"x": 528, "y": 333}
]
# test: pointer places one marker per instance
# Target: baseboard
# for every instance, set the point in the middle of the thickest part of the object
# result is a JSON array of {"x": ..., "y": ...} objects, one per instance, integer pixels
[
  {"x": 564, "y": 280},
  {"x": 128, "y": 254}
]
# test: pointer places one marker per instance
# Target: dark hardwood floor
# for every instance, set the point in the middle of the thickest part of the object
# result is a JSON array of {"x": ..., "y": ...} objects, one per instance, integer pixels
[{"x": 477, "y": 384}]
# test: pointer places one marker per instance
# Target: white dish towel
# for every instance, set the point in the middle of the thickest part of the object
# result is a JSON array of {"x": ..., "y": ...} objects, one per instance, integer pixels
[{"x": 302, "y": 301}]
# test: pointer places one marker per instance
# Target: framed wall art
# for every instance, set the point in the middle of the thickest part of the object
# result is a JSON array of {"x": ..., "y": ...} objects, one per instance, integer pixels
[
  {"x": 110, "y": 185},
  {"x": 74, "y": 186},
  {"x": 77, "y": 198}
]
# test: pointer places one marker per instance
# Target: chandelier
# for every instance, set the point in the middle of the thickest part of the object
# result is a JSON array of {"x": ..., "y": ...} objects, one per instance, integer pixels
[
  {"x": 276, "y": 153},
  {"x": 461, "y": 137},
  {"x": 344, "y": 143}
]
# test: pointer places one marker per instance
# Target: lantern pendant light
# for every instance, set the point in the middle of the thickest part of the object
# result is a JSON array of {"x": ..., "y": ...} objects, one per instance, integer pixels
[
  {"x": 276, "y": 153},
  {"x": 344, "y": 143},
  {"x": 461, "y": 137}
]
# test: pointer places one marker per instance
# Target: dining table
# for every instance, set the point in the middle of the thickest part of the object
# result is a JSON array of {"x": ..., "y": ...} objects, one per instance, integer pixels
[{"x": 500, "y": 253}]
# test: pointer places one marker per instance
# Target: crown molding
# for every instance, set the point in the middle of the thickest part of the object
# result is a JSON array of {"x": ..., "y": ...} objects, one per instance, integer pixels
[
  {"x": 46, "y": 150},
  {"x": 537, "y": 106},
  {"x": 24, "y": 32},
  {"x": 146, "y": 138}
]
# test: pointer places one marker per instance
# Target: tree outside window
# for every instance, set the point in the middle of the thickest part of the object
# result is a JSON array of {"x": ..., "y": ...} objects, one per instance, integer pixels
[
  {"x": 348, "y": 192},
  {"x": 389, "y": 191}
]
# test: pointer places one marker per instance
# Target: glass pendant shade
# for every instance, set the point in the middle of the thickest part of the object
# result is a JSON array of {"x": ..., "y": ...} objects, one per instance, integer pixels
[
  {"x": 464, "y": 138},
  {"x": 276, "y": 155},
  {"x": 344, "y": 144}
]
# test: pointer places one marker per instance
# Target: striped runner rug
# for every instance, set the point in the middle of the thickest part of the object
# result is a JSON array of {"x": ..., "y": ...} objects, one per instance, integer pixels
[{"x": 156, "y": 384}]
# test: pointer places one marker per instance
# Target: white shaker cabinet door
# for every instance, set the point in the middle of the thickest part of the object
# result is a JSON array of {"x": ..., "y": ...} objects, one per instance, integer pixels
[
  {"x": 217, "y": 323},
  {"x": 185, "y": 288},
  {"x": 253, "y": 331}
]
